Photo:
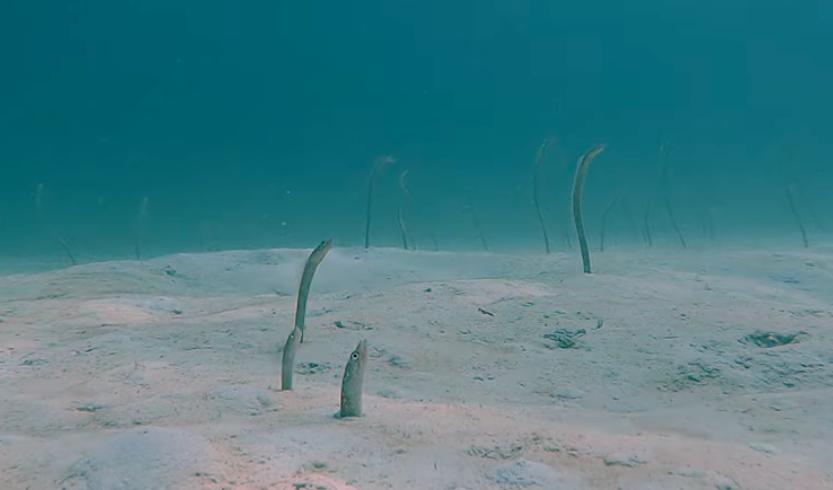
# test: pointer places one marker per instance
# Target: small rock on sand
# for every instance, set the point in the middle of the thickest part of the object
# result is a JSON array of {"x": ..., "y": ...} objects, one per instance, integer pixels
[
  {"x": 525, "y": 473},
  {"x": 139, "y": 459},
  {"x": 624, "y": 459},
  {"x": 241, "y": 398}
]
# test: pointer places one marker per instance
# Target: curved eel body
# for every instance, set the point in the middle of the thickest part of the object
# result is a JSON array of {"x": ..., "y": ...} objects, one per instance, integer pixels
[
  {"x": 578, "y": 194},
  {"x": 310, "y": 267}
]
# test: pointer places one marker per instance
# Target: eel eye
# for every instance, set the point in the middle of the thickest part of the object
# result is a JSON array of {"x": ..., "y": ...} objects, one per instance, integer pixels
[{"x": 355, "y": 355}]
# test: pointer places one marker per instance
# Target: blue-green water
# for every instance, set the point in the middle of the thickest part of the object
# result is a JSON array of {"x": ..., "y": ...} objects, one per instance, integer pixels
[{"x": 255, "y": 124}]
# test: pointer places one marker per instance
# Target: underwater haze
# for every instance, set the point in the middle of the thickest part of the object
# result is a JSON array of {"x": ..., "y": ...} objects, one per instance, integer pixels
[
  {"x": 257, "y": 124},
  {"x": 413, "y": 244}
]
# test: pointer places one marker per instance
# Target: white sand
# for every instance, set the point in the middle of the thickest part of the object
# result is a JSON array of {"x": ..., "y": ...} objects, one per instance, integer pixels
[{"x": 163, "y": 374}]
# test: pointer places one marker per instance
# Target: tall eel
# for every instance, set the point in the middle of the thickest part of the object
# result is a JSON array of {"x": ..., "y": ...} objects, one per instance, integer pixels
[
  {"x": 797, "y": 216},
  {"x": 310, "y": 267},
  {"x": 666, "y": 195},
  {"x": 379, "y": 164},
  {"x": 578, "y": 193},
  {"x": 536, "y": 189}
]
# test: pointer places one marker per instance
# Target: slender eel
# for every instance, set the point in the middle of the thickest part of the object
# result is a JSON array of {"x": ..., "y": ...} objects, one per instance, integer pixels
[
  {"x": 476, "y": 221},
  {"x": 403, "y": 183},
  {"x": 403, "y": 230},
  {"x": 353, "y": 382},
  {"x": 378, "y": 165},
  {"x": 605, "y": 214},
  {"x": 288, "y": 361},
  {"x": 666, "y": 195},
  {"x": 310, "y": 267},
  {"x": 578, "y": 193},
  {"x": 797, "y": 216},
  {"x": 405, "y": 194},
  {"x": 647, "y": 226},
  {"x": 536, "y": 189},
  {"x": 707, "y": 219},
  {"x": 67, "y": 250},
  {"x": 565, "y": 229}
]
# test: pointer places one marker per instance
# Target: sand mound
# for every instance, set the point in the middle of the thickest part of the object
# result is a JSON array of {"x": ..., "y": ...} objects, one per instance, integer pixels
[
  {"x": 140, "y": 459},
  {"x": 524, "y": 473},
  {"x": 241, "y": 399}
]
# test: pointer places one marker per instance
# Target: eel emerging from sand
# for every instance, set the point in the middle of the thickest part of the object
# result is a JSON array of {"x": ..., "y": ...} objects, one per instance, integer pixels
[
  {"x": 578, "y": 193},
  {"x": 310, "y": 267},
  {"x": 536, "y": 189},
  {"x": 353, "y": 382},
  {"x": 476, "y": 221},
  {"x": 798, "y": 221},
  {"x": 406, "y": 194},
  {"x": 63, "y": 243},
  {"x": 666, "y": 194},
  {"x": 288, "y": 361},
  {"x": 403, "y": 229},
  {"x": 290, "y": 348},
  {"x": 379, "y": 164}
]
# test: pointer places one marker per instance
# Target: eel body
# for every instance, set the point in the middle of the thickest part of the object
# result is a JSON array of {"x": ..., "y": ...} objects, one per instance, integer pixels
[
  {"x": 310, "y": 267},
  {"x": 797, "y": 216},
  {"x": 353, "y": 382},
  {"x": 578, "y": 194},
  {"x": 536, "y": 189},
  {"x": 379, "y": 164},
  {"x": 288, "y": 362}
]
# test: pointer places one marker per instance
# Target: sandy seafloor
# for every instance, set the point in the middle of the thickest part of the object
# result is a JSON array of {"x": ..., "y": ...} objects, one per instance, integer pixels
[{"x": 708, "y": 369}]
